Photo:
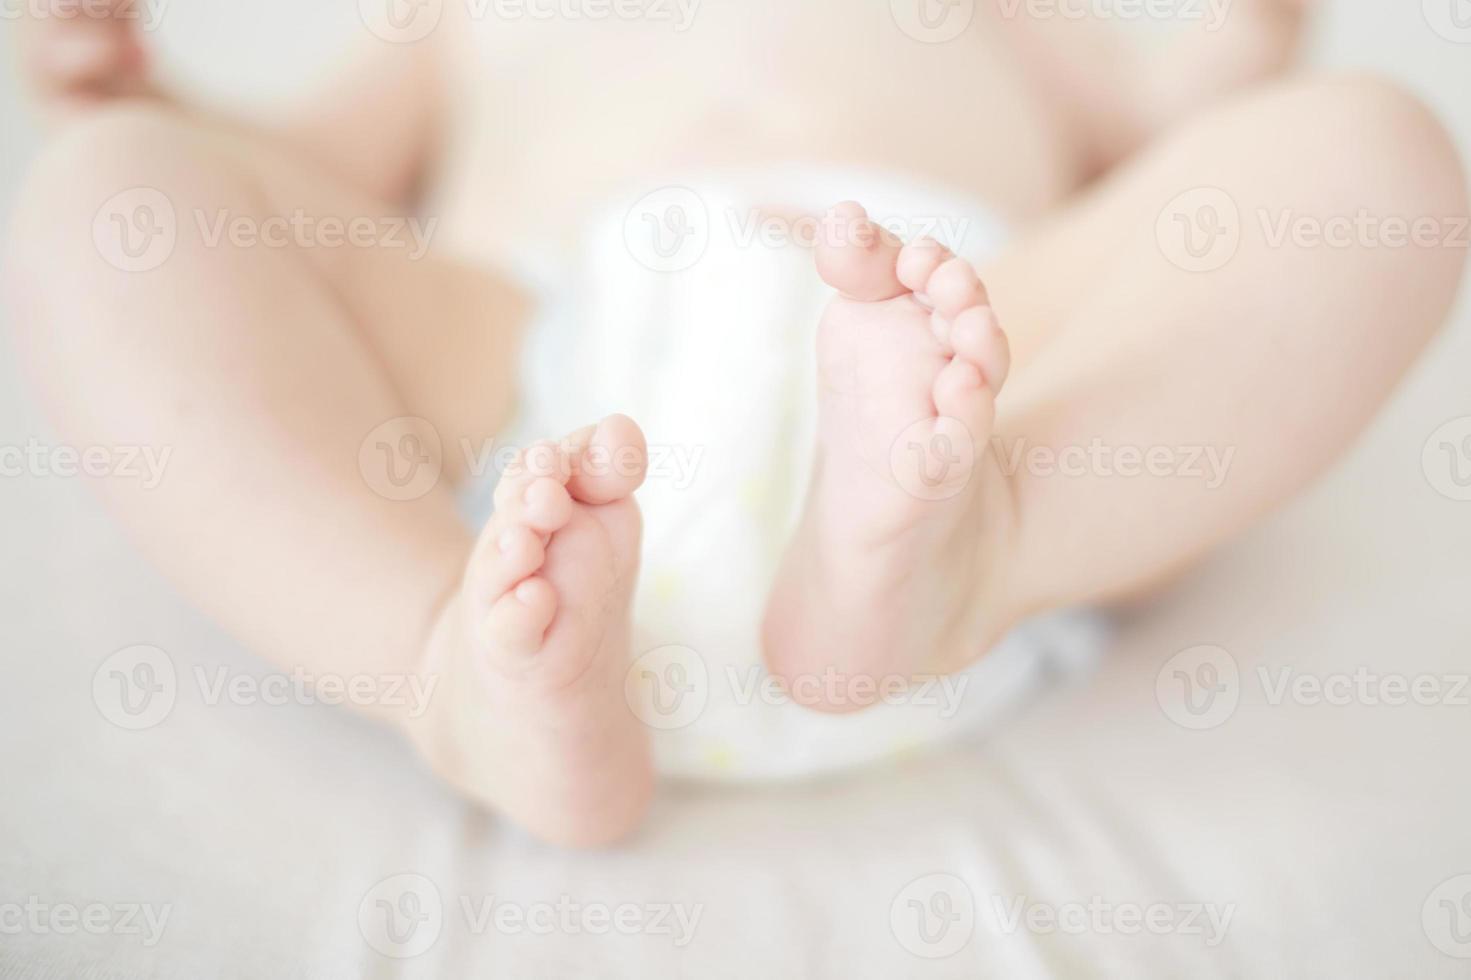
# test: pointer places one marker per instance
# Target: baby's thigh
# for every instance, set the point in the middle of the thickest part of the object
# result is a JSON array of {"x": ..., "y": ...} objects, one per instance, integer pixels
[
  {"x": 172, "y": 198},
  {"x": 446, "y": 329}
]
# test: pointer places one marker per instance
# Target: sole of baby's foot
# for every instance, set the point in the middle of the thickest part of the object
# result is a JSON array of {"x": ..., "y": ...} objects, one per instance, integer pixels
[
  {"x": 888, "y": 576},
  {"x": 529, "y": 716}
]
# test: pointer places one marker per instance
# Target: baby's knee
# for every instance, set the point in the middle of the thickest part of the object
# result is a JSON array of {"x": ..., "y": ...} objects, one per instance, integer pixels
[
  {"x": 1374, "y": 160},
  {"x": 1390, "y": 150},
  {"x": 133, "y": 141},
  {"x": 93, "y": 193},
  {"x": 111, "y": 150}
]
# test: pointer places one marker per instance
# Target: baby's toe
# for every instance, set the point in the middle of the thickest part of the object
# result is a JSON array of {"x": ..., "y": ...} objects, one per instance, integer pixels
[
  {"x": 546, "y": 505},
  {"x": 977, "y": 337},
  {"x": 918, "y": 261},
  {"x": 857, "y": 256},
  {"x": 609, "y": 460},
  {"x": 539, "y": 502},
  {"x": 955, "y": 287},
  {"x": 504, "y": 557},
  {"x": 961, "y": 394},
  {"x": 540, "y": 459},
  {"x": 517, "y": 623}
]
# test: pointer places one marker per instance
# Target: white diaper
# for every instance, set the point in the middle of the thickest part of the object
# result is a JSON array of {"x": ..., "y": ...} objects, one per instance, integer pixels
[{"x": 686, "y": 312}]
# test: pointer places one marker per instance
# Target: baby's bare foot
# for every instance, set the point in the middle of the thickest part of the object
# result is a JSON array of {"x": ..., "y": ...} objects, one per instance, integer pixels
[
  {"x": 888, "y": 573},
  {"x": 530, "y": 716}
]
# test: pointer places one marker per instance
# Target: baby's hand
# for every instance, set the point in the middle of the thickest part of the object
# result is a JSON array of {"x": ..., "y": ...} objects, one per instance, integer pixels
[{"x": 77, "y": 53}]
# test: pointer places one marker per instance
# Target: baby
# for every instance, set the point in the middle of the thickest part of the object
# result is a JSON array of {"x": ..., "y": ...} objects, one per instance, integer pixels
[{"x": 1144, "y": 302}]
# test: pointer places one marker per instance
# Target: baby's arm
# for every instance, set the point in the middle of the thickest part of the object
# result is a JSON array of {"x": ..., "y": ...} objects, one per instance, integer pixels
[{"x": 374, "y": 127}]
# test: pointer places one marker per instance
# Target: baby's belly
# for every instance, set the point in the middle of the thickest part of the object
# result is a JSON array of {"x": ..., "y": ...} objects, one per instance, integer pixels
[{"x": 554, "y": 118}]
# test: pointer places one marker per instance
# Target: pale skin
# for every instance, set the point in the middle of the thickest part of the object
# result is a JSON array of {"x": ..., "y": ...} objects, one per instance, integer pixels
[{"x": 265, "y": 368}]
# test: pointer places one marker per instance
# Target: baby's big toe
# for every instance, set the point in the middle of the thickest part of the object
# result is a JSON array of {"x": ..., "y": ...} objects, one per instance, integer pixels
[
  {"x": 858, "y": 257},
  {"x": 609, "y": 460}
]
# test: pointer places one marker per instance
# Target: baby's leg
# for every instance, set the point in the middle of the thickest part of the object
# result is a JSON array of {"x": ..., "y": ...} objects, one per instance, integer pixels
[
  {"x": 263, "y": 370},
  {"x": 1117, "y": 92},
  {"x": 1162, "y": 395},
  {"x": 1137, "y": 325}
]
